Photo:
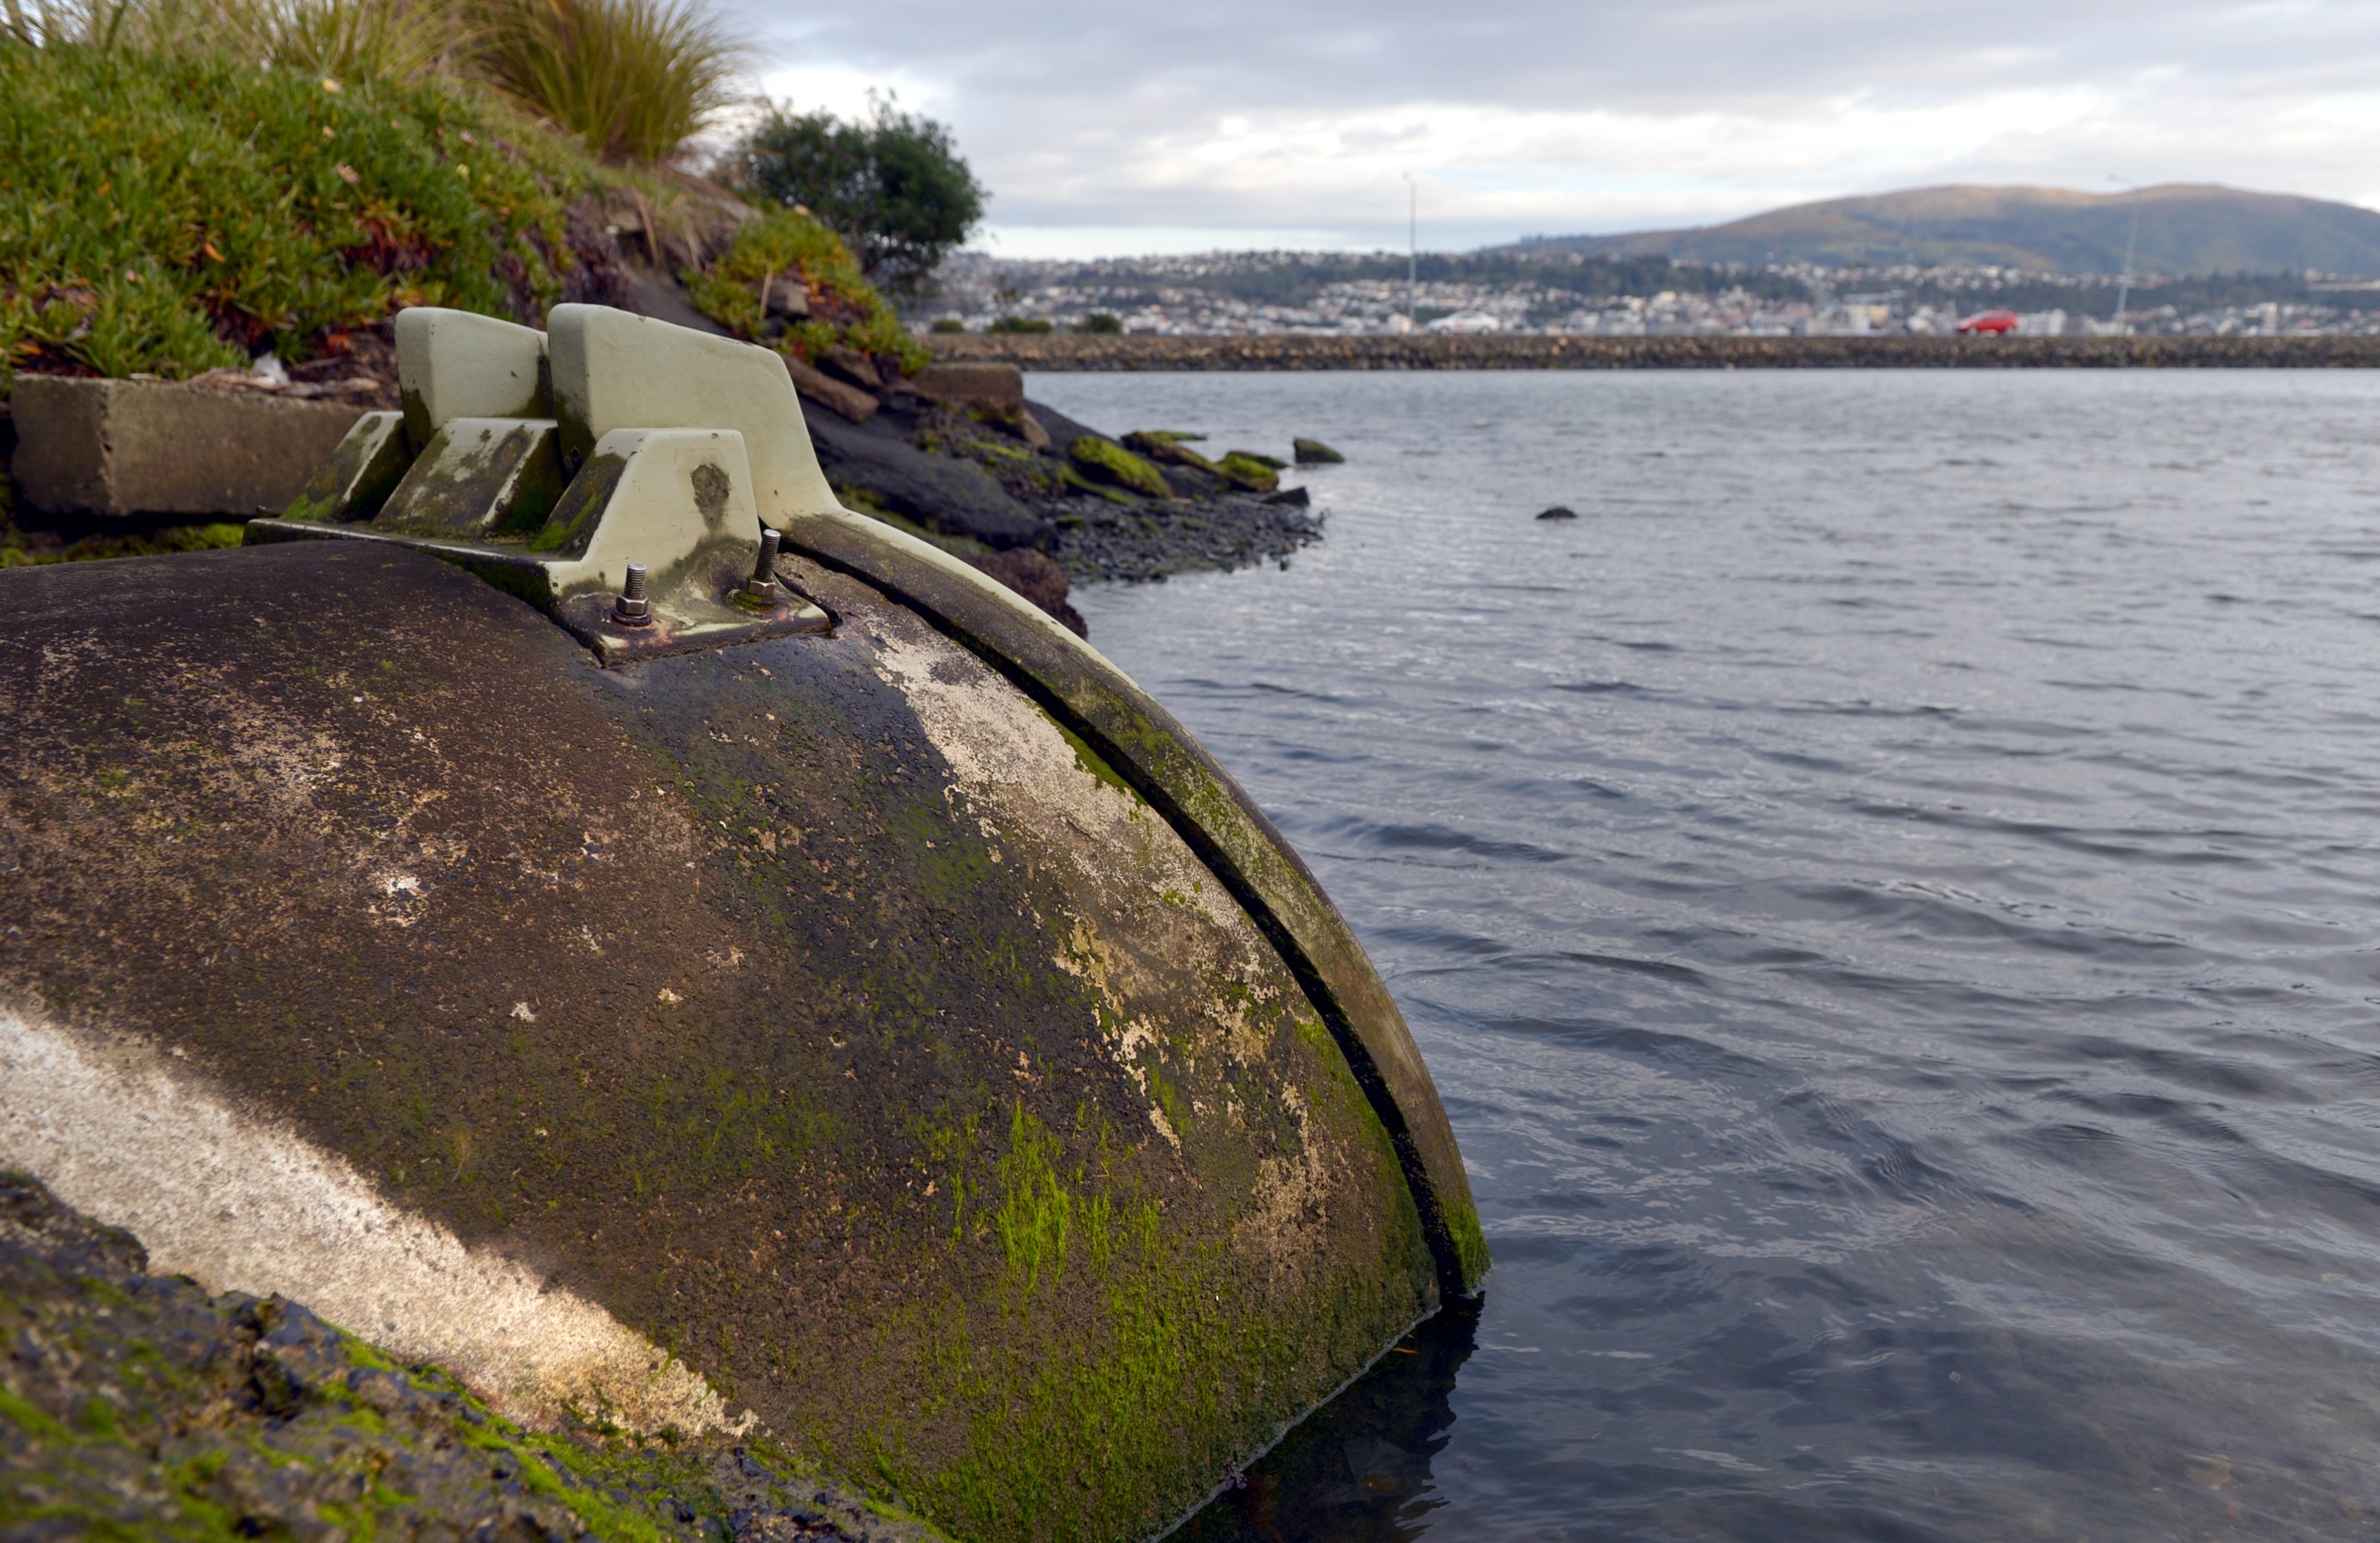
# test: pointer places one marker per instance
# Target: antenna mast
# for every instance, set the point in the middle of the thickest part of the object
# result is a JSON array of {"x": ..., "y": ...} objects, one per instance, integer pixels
[
  {"x": 2124, "y": 287},
  {"x": 1413, "y": 240}
]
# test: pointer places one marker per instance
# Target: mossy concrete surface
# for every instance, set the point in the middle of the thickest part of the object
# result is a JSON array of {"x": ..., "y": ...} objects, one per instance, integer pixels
[
  {"x": 819, "y": 1009},
  {"x": 1215, "y": 818},
  {"x": 138, "y": 1405}
]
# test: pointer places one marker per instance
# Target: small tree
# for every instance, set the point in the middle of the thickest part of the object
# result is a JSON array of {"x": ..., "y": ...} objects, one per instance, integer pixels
[{"x": 891, "y": 184}]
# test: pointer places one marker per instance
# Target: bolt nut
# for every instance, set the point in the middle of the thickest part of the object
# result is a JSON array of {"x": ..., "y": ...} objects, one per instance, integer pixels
[
  {"x": 761, "y": 590},
  {"x": 632, "y": 609}
]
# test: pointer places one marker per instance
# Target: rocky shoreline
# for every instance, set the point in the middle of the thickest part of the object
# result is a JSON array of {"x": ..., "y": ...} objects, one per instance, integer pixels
[
  {"x": 1036, "y": 498},
  {"x": 1432, "y": 351}
]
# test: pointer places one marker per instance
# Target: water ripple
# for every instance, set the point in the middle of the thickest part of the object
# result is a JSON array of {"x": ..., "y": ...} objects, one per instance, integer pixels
[{"x": 1890, "y": 903}]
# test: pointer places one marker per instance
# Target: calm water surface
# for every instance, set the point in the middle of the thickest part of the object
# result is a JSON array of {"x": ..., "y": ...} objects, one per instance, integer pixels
[{"x": 1890, "y": 895}]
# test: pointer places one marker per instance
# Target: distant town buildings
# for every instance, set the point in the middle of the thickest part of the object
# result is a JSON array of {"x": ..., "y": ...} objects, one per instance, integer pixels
[{"x": 1232, "y": 293}]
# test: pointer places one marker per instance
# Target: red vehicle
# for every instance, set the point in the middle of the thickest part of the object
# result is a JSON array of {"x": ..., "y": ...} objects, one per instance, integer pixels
[{"x": 1988, "y": 322}]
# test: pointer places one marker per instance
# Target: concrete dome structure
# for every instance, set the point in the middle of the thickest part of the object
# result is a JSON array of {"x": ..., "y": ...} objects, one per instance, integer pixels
[{"x": 832, "y": 1001}]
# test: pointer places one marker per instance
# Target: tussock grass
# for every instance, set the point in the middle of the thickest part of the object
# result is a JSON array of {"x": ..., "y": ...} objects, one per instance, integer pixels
[
  {"x": 345, "y": 38},
  {"x": 631, "y": 79}
]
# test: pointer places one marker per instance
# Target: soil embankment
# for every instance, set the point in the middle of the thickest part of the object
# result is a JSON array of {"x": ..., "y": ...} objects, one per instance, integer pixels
[{"x": 1432, "y": 351}]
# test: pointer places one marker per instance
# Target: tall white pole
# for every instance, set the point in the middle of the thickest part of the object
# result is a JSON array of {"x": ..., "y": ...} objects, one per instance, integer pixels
[
  {"x": 1413, "y": 241},
  {"x": 2124, "y": 287}
]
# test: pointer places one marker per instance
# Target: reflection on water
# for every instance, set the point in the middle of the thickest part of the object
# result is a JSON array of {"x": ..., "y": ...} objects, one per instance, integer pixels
[{"x": 1358, "y": 1471}]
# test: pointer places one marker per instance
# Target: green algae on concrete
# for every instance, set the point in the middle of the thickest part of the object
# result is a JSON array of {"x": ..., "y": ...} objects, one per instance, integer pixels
[{"x": 1136, "y": 737}]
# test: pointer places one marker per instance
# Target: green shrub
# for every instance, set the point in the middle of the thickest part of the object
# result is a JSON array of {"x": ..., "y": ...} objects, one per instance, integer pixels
[
  {"x": 1021, "y": 324},
  {"x": 787, "y": 248},
  {"x": 892, "y": 184},
  {"x": 629, "y": 78},
  {"x": 169, "y": 215},
  {"x": 1103, "y": 324},
  {"x": 948, "y": 324}
]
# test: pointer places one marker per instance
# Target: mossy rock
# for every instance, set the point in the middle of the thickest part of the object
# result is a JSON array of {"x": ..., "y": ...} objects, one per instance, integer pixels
[
  {"x": 1068, "y": 476},
  {"x": 1106, "y": 461},
  {"x": 1167, "y": 449},
  {"x": 1271, "y": 463},
  {"x": 1313, "y": 452},
  {"x": 1256, "y": 473}
]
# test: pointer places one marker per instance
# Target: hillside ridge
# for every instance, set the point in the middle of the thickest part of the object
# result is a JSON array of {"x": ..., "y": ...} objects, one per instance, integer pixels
[{"x": 2184, "y": 228}]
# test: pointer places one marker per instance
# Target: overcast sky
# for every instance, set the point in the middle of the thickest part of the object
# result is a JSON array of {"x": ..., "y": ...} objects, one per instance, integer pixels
[{"x": 1124, "y": 129}]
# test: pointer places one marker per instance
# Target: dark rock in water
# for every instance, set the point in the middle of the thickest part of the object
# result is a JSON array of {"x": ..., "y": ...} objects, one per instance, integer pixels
[
  {"x": 1313, "y": 452},
  {"x": 1296, "y": 497},
  {"x": 1038, "y": 579},
  {"x": 142, "y": 1406},
  {"x": 1559, "y": 511},
  {"x": 943, "y": 493}
]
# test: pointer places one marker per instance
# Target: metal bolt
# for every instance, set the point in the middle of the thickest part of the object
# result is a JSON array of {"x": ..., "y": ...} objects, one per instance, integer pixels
[
  {"x": 761, "y": 588},
  {"x": 631, "y": 609}
]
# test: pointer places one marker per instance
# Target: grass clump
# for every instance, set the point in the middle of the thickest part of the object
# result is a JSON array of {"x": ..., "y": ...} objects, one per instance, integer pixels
[
  {"x": 167, "y": 214},
  {"x": 789, "y": 249},
  {"x": 633, "y": 79}
]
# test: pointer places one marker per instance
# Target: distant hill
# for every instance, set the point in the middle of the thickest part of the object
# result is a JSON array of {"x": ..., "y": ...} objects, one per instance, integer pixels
[{"x": 2185, "y": 228}]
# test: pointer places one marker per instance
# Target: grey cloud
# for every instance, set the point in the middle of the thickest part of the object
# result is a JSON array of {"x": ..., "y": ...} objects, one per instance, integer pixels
[
  {"x": 1641, "y": 55},
  {"x": 1051, "y": 98}
]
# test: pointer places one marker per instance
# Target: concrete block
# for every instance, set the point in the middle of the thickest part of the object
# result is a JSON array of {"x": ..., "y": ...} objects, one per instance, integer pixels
[
  {"x": 361, "y": 471},
  {"x": 144, "y": 447},
  {"x": 480, "y": 478},
  {"x": 656, "y": 496},
  {"x": 453, "y": 364},
  {"x": 612, "y": 370},
  {"x": 998, "y": 385}
]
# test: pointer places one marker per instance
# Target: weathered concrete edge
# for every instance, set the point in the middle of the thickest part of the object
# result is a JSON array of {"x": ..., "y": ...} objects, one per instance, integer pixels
[
  {"x": 119, "y": 448},
  {"x": 1144, "y": 745},
  {"x": 1225, "y": 1483}
]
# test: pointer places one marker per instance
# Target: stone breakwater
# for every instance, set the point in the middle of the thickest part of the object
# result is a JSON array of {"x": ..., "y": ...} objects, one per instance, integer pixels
[{"x": 1072, "y": 351}]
